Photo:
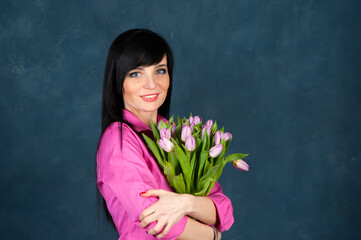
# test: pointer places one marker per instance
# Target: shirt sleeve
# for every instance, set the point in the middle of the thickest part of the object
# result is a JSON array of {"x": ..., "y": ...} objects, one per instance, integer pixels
[
  {"x": 224, "y": 208},
  {"x": 123, "y": 174}
]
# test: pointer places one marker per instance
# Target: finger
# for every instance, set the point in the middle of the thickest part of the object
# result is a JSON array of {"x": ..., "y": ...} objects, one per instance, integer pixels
[
  {"x": 146, "y": 212},
  {"x": 165, "y": 231},
  {"x": 157, "y": 228},
  {"x": 153, "y": 193},
  {"x": 147, "y": 220}
]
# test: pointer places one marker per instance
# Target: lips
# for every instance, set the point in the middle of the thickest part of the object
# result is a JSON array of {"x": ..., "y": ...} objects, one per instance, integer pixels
[{"x": 150, "y": 97}]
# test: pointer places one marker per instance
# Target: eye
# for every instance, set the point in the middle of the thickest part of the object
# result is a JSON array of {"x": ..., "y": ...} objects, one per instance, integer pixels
[
  {"x": 134, "y": 74},
  {"x": 162, "y": 71}
]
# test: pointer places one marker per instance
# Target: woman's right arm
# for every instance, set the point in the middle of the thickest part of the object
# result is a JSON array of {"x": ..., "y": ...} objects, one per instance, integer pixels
[{"x": 197, "y": 230}]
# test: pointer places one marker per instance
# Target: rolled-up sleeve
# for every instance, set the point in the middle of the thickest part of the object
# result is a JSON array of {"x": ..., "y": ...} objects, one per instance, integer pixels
[
  {"x": 224, "y": 208},
  {"x": 122, "y": 174}
]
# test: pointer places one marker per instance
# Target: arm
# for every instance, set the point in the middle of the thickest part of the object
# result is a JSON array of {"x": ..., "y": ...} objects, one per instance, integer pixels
[
  {"x": 215, "y": 209},
  {"x": 171, "y": 205},
  {"x": 197, "y": 230},
  {"x": 122, "y": 175},
  {"x": 224, "y": 208}
]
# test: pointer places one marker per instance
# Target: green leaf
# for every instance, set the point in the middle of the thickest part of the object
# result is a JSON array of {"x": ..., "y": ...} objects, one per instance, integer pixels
[
  {"x": 184, "y": 162},
  {"x": 223, "y": 152},
  {"x": 203, "y": 187},
  {"x": 207, "y": 166},
  {"x": 162, "y": 124},
  {"x": 179, "y": 184},
  {"x": 172, "y": 159},
  {"x": 202, "y": 159},
  {"x": 169, "y": 173},
  {"x": 171, "y": 119},
  {"x": 155, "y": 150},
  {"x": 205, "y": 141},
  {"x": 214, "y": 128},
  {"x": 235, "y": 156},
  {"x": 193, "y": 167},
  {"x": 162, "y": 152},
  {"x": 155, "y": 131},
  {"x": 178, "y": 131}
]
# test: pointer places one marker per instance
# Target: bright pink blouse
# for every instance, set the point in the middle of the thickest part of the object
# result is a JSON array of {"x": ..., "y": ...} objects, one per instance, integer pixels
[{"x": 125, "y": 169}]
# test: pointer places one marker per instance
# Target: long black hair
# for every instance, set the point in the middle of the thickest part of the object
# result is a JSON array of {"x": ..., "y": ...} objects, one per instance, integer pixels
[{"x": 131, "y": 49}]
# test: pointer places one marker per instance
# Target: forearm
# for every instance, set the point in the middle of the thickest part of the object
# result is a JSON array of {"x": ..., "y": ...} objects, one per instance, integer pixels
[
  {"x": 197, "y": 230},
  {"x": 202, "y": 209}
]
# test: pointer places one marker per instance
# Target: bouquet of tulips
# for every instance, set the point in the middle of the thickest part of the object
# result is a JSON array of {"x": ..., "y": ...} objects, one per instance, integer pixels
[{"x": 192, "y": 154}]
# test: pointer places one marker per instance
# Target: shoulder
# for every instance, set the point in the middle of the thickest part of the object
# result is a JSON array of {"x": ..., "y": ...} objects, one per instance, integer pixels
[{"x": 118, "y": 132}]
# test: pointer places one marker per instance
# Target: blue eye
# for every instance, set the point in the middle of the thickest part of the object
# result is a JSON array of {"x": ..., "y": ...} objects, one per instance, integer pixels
[
  {"x": 134, "y": 74},
  {"x": 161, "y": 71}
]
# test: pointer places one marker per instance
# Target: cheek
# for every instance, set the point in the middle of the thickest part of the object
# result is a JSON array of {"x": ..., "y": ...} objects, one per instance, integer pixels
[
  {"x": 128, "y": 89},
  {"x": 165, "y": 85}
]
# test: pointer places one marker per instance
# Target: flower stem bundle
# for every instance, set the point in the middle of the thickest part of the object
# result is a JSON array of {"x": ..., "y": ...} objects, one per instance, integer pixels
[{"x": 192, "y": 154}]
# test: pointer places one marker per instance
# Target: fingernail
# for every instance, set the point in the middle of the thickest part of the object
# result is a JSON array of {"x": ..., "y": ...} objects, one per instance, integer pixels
[{"x": 141, "y": 193}]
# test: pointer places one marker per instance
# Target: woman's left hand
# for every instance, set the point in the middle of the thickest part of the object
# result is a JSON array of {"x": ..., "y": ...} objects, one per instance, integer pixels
[{"x": 167, "y": 211}]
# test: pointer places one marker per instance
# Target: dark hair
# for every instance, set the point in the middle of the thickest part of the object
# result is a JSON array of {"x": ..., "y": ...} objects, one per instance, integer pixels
[{"x": 131, "y": 49}]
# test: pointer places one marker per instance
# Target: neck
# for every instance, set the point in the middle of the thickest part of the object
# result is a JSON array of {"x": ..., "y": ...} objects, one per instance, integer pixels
[{"x": 146, "y": 117}]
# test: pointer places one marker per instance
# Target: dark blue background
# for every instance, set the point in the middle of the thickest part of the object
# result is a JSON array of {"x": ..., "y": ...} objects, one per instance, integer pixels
[{"x": 283, "y": 76}]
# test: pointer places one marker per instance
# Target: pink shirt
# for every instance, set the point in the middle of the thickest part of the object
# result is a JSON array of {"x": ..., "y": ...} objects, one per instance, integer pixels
[{"x": 124, "y": 172}]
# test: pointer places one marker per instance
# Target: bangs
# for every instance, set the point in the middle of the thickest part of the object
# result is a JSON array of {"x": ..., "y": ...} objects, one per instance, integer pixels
[
  {"x": 136, "y": 48},
  {"x": 146, "y": 51}
]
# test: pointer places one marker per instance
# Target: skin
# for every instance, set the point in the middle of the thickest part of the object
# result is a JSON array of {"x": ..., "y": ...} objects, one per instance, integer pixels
[
  {"x": 145, "y": 82},
  {"x": 144, "y": 91}
]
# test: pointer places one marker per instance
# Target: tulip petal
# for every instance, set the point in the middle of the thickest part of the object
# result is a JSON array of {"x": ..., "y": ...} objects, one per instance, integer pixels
[{"x": 241, "y": 165}]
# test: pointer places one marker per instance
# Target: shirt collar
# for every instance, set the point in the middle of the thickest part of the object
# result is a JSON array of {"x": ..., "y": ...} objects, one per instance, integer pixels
[{"x": 137, "y": 124}]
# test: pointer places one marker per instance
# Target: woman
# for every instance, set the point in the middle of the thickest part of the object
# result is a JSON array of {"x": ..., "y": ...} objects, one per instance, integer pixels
[{"x": 136, "y": 91}]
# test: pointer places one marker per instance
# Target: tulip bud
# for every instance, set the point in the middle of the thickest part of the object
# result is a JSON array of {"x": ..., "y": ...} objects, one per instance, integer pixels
[
  {"x": 197, "y": 120},
  {"x": 217, "y": 137},
  {"x": 173, "y": 129},
  {"x": 190, "y": 143},
  {"x": 216, "y": 150},
  {"x": 166, "y": 144},
  {"x": 190, "y": 120},
  {"x": 209, "y": 124},
  {"x": 186, "y": 132},
  {"x": 206, "y": 128},
  {"x": 164, "y": 133},
  {"x": 227, "y": 136},
  {"x": 241, "y": 165}
]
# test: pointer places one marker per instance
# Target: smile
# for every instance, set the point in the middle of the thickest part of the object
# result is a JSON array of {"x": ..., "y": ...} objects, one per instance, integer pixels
[{"x": 150, "y": 97}]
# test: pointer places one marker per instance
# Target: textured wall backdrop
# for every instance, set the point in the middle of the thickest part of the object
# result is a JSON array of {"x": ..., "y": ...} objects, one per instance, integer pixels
[{"x": 283, "y": 76}]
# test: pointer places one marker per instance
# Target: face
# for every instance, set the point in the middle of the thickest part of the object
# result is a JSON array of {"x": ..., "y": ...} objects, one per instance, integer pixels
[{"x": 145, "y": 88}]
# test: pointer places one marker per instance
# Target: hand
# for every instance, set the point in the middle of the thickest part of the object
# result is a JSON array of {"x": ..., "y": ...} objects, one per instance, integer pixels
[{"x": 167, "y": 211}]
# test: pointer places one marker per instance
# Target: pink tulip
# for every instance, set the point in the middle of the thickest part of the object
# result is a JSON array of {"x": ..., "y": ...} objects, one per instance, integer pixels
[
  {"x": 166, "y": 144},
  {"x": 186, "y": 132},
  {"x": 197, "y": 120},
  {"x": 173, "y": 129},
  {"x": 164, "y": 133},
  {"x": 206, "y": 128},
  {"x": 216, "y": 150},
  {"x": 209, "y": 124},
  {"x": 217, "y": 137},
  {"x": 227, "y": 136},
  {"x": 190, "y": 120},
  {"x": 190, "y": 143},
  {"x": 241, "y": 165}
]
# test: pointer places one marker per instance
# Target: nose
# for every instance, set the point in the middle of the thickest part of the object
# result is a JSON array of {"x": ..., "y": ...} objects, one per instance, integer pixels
[{"x": 149, "y": 82}]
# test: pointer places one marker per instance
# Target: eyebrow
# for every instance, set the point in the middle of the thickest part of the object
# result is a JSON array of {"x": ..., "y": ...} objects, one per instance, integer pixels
[{"x": 158, "y": 65}]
